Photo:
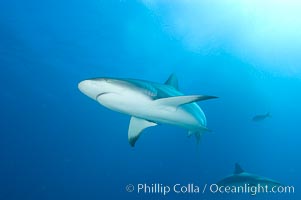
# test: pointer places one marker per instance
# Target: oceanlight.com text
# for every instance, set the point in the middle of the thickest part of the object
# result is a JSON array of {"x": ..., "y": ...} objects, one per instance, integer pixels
[
  {"x": 251, "y": 189},
  {"x": 191, "y": 188}
]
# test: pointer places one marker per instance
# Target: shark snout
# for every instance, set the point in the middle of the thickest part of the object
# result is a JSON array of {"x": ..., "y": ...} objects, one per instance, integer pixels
[
  {"x": 83, "y": 85},
  {"x": 89, "y": 88}
]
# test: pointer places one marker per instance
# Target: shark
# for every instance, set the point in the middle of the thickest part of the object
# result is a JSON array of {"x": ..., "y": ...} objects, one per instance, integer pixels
[
  {"x": 240, "y": 178},
  {"x": 261, "y": 117},
  {"x": 148, "y": 104}
]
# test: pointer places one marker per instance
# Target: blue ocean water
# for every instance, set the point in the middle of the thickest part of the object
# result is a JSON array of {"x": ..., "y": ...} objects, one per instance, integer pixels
[{"x": 58, "y": 144}]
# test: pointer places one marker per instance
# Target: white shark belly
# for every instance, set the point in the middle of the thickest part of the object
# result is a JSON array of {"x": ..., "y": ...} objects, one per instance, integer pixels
[
  {"x": 173, "y": 116},
  {"x": 142, "y": 106}
]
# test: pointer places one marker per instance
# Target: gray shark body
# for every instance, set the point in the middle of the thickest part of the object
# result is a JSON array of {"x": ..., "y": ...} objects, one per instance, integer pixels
[
  {"x": 240, "y": 178},
  {"x": 258, "y": 118},
  {"x": 148, "y": 103}
]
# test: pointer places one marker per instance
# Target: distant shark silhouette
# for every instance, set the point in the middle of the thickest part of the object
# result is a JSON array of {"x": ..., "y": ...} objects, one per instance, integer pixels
[
  {"x": 257, "y": 118},
  {"x": 240, "y": 178},
  {"x": 148, "y": 103}
]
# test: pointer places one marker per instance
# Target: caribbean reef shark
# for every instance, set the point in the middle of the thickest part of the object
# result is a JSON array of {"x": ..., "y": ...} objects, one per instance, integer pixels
[
  {"x": 240, "y": 178},
  {"x": 148, "y": 103},
  {"x": 258, "y": 118}
]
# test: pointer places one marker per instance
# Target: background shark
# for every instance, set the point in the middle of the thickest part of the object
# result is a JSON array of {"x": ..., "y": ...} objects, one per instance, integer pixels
[
  {"x": 240, "y": 178},
  {"x": 258, "y": 118},
  {"x": 148, "y": 103}
]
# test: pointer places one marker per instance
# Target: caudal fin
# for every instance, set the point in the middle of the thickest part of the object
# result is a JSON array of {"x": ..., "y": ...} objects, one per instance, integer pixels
[{"x": 198, "y": 133}]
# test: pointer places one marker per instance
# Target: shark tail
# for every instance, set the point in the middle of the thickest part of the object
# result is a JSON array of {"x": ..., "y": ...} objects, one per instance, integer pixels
[{"x": 198, "y": 133}]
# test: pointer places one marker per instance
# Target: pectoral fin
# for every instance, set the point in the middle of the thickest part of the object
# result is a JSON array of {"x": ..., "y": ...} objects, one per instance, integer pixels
[
  {"x": 136, "y": 127},
  {"x": 181, "y": 100}
]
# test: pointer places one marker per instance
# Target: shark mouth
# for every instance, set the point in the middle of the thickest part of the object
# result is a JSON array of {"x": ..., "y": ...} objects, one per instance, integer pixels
[{"x": 100, "y": 94}]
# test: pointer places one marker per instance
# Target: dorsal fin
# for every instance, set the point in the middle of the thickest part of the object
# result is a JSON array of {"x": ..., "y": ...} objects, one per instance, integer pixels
[
  {"x": 173, "y": 81},
  {"x": 238, "y": 169}
]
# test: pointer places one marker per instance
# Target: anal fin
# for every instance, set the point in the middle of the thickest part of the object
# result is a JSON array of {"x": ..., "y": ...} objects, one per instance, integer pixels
[{"x": 137, "y": 125}]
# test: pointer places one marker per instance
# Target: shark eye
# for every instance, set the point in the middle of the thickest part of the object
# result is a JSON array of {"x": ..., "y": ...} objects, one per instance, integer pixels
[{"x": 107, "y": 80}]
